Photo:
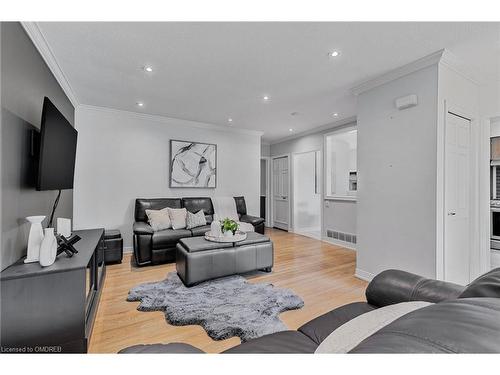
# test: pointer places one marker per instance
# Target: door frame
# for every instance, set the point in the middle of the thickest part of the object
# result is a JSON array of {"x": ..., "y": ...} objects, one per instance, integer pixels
[
  {"x": 288, "y": 156},
  {"x": 291, "y": 224},
  {"x": 269, "y": 212},
  {"x": 476, "y": 253}
]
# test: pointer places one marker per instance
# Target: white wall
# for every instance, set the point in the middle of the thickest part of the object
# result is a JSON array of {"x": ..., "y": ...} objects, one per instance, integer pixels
[
  {"x": 338, "y": 215},
  {"x": 396, "y": 209},
  {"x": 122, "y": 156}
]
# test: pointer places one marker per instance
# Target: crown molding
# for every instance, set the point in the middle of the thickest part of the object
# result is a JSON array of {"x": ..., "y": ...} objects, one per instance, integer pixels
[
  {"x": 169, "y": 120},
  {"x": 318, "y": 129},
  {"x": 38, "y": 39},
  {"x": 402, "y": 71},
  {"x": 454, "y": 63}
]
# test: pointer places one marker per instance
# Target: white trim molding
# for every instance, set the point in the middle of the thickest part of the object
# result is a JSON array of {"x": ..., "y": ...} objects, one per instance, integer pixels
[
  {"x": 167, "y": 120},
  {"x": 333, "y": 241},
  {"x": 442, "y": 56},
  {"x": 41, "y": 44},
  {"x": 364, "y": 275}
]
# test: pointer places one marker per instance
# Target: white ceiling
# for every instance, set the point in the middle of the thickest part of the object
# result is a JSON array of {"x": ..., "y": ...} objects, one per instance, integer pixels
[{"x": 209, "y": 72}]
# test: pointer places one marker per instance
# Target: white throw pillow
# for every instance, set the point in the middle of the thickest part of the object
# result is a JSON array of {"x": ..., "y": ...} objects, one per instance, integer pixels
[
  {"x": 178, "y": 217},
  {"x": 195, "y": 220},
  {"x": 159, "y": 219}
]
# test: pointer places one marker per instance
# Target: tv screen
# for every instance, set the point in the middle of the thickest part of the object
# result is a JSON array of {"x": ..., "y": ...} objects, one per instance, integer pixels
[{"x": 57, "y": 150}]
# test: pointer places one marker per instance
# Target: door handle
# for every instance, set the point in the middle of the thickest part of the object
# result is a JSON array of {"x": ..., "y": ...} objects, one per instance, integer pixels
[{"x": 452, "y": 213}]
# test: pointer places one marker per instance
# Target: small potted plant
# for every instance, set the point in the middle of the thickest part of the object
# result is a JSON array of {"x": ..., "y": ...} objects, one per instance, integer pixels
[{"x": 229, "y": 227}]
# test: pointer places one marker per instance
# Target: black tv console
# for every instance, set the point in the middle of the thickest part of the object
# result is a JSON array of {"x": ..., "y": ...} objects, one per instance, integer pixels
[{"x": 52, "y": 309}]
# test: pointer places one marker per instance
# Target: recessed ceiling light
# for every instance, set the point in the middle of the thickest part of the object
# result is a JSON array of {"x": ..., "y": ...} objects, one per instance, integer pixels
[
  {"x": 140, "y": 104},
  {"x": 334, "y": 53},
  {"x": 335, "y": 114},
  {"x": 148, "y": 69},
  {"x": 265, "y": 97},
  {"x": 229, "y": 120},
  {"x": 290, "y": 130}
]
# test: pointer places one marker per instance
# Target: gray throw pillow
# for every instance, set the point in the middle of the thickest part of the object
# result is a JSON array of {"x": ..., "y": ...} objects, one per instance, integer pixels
[
  {"x": 195, "y": 220},
  {"x": 159, "y": 219}
]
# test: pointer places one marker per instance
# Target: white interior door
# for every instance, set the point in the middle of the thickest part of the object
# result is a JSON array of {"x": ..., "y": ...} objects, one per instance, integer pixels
[
  {"x": 457, "y": 240},
  {"x": 306, "y": 194},
  {"x": 281, "y": 197}
]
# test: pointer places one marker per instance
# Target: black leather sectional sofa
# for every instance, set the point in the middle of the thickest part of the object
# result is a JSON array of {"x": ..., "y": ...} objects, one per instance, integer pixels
[
  {"x": 159, "y": 247},
  {"x": 461, "y": 320}
]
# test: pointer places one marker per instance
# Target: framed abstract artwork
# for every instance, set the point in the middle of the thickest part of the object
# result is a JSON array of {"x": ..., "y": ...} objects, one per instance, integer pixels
[{"x": 193, "y": 164}]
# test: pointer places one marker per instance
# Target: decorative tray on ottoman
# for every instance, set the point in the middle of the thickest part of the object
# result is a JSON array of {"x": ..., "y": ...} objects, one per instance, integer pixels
[{"x": 237, "y": 237}]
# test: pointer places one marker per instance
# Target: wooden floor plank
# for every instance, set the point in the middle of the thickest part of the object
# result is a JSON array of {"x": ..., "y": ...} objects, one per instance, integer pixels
[{"x": 320, "y": 273}]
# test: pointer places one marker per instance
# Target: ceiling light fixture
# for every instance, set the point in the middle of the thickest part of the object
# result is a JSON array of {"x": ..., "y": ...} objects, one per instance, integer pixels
[
  {"x": 229, "y": 120},
  {"x": 148, "y": 69},
  {"x": 290, "y": 130},
  {"x": 335, "y": 114},
  {"x": 266, "y": 98},
  {"x": 334, "y": 53},
  {"x": 140, "y": 104}
]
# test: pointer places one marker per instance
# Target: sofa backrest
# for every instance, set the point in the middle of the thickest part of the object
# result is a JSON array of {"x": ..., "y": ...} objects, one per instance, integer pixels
[
  {"x": 195, "y": 204},
  {"x": 143, "y": 204},
  {"x": 241, "y": 206},
  {"x": 487, "y": 285}
]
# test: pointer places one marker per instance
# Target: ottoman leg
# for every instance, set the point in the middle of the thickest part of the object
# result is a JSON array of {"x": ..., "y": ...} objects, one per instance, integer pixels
[{"x": 268, "y": 269}]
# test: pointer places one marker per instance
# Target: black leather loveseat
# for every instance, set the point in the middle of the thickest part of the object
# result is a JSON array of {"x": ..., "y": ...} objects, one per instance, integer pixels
[
  {"x": 461, "y": 320},
  {"x": 159, "y": 247}
]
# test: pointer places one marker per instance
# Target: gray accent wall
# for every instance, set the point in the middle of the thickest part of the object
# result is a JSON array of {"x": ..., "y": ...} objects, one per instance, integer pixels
[
  {"x": 25, "y": 80},
  {"x": 338, "y": 215}
]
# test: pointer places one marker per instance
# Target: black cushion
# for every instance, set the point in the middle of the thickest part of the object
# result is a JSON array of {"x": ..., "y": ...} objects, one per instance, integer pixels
[
  {"x": 468, "y": 325},
  {"x": 241, "y": 206},
  {"x": 200, "y": 231},
  {"x": 169, "y": 237},
  {"x": 318, "y": 329},
  {"x": 254, "y": 220},
  {"x": 173, "y": 348},
  {"x": 196, "y": 204},
  {"x": 277, "y": 343},
  {"x": 487, "y": 285},
  {"x": 142, "y": 204},
  {"x": 395, "y": 286}
]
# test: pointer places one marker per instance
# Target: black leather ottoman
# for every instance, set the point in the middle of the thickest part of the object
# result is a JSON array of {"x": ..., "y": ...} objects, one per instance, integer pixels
[
  {"x": 113, "y": 251},
  {"x": 200, "y": 260}
]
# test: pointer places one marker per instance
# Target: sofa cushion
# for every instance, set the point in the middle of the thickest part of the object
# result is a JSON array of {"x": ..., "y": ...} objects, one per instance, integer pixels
[
  {"x": 169, "y": 237},
  {"x": 159, "y": 219},
  {"x": 178, "y": 217},
  {"x": 468, "y": 325},
  {"x": 320, "y": 328},
  {"x": 195, "y": 204},
  {"x": 277, "y": 343},
  {"x": 487, "y": 285},
  {"x": 254, "y": 220},
  {"x": 143, "y": 204},
  {"x": 241, "y": 206},
  {"x": 195, "y": 220},
  {"x": 200, "y": 231}
]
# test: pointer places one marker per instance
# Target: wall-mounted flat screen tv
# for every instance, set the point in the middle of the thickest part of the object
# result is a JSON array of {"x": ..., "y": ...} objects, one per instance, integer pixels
[{"x": 57, "y": 150}]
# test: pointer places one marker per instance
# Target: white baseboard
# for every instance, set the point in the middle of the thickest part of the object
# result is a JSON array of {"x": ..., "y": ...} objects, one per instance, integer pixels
[
  {"x": 128, "y": 249},
  {"x": 333, "y": 241},
  {"x": 363, "y": 275}
]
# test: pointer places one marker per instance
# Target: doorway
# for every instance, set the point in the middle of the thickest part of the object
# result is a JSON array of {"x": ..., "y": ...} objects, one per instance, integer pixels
[
  {"x": 281, "y": 199},
  {"x": 265, "y": 190},
  {"x": 307, "y": 194},
  {"x": 457, "y": 220}
]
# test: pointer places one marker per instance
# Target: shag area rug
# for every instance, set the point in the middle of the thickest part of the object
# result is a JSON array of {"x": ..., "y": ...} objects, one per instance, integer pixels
[{"x": 224, "y": 307}]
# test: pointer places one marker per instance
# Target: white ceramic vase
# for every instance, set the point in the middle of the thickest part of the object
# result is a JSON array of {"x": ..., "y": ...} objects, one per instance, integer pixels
[
  {"x": 228, "y": 233},
  {"x": 35, "y": 238},
  {"x": 48, "y": 250}
]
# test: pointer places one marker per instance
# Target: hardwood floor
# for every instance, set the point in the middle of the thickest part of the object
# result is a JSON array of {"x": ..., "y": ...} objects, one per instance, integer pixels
[{"x": 321, "y": 273}]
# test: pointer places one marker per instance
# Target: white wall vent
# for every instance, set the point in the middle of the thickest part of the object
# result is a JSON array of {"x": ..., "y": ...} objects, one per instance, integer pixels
[{"x": 341, "y": 236}]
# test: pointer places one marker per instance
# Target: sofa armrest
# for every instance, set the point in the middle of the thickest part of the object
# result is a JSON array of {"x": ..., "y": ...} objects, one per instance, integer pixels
[
  {"x": 172, "y": 348},
  {"x": 394, "y": 286},
  {"x": 254, "y": 220},
  {"x": 140, "y": 227}
]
